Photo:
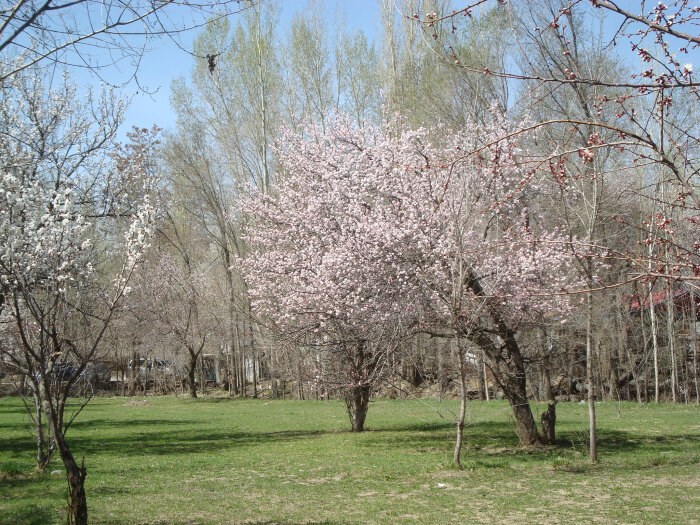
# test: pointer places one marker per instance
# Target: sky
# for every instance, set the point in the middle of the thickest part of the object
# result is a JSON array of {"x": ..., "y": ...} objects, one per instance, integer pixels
[
  {"x": 165, "y": 61},
  {"x": 150, "y": 97}
]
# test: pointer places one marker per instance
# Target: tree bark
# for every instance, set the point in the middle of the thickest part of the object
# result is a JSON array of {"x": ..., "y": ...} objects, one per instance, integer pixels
[
  {"x": 74, "y": 474},
  {"x": 507, "y": 365},
  {"x": 134, "y": 373},
  {"x": 549, "y": 419},
  {"x": 357, "y": 402},
  {"x": 509, "y": 372},
  {"x": 480, "y": 376},
  {"x": 694, "y": 343},
  {"x": 191, "y": 370},
  {"x": 671, "y": 346},
  {"x": 592, "y": 450},
  {"x": 655, "y": 344},
  {"x": 463, "y": 402},
  {"x": 44, "y": 442}
]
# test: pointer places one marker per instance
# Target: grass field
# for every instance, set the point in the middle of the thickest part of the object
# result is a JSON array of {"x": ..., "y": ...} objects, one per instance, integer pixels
[{"x": 222, "y": 461}]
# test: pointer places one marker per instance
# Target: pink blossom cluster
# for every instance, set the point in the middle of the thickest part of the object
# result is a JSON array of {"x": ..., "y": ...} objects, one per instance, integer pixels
[{"x": 380, "y": 226}]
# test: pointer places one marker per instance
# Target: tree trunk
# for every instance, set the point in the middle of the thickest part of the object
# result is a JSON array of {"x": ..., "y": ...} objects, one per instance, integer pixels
[
  {"x": 191, "y": 374},
  {"x": 549, "y": 416},
  {"x": 507, "y": 366},
  {"x": 76, "y": 480},
  {"x": 357, "y": 401},
  {"x": 671, "y": 346},
  {"x": 134, "y": 373},
  {"x": 694, "y": 343},
  {"x": 486, "y": 377},
  {"x": 655, "y": 344},
  {"x": 255, "y": 377},
  {"x": 44, "y": 442},
  {"x": 74, "y": 474},
  {"x": 509, "y": 372},
  {"x": 463, "y": 402},
  {"x": 593, "y": 452},
  {"x": 480, "y": 377},
  {"x": 549, "y": 419}
]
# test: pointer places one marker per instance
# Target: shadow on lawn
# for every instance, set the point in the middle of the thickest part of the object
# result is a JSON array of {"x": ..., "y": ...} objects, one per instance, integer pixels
[
  {"x": 32, "y": 515},
  {"x": 292, "y": 523},
  {"x": 497, "y": 441},
  {"x": 485, "y": 439},
  {"x": 111, "y": 423},
  {"x": 12, "y": 409},
  {"x": 158, "y": 442}
]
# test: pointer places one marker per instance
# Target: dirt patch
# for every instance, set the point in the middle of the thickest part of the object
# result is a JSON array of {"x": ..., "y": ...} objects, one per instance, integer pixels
[{"x": 138, "y": 403}]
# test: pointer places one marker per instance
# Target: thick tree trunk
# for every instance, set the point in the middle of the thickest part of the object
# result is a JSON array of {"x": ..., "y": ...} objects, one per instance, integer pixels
[
  {"x": 507, "y": 366},
  {"x": 76, "y": 480},
  {"x": 357, "y": 398},
  {"x": 357, "y": 401},
  {"x": 509, "y": 371},
  {"x": 549, "y": 419},
  {"x": 527, "y": 429}
]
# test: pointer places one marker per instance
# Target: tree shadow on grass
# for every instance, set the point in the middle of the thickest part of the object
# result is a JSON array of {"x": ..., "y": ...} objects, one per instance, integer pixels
[
  {"x": 159, "y": 442},
  {"x": 493, "y": 444},
  {"x": 12, "y": 409},
  {"x": 109, "y": 423},
  {"x": 32, "y": 515}
]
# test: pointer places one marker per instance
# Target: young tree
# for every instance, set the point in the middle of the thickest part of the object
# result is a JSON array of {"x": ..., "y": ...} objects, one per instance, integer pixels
[{"x": 57, "y": 290}]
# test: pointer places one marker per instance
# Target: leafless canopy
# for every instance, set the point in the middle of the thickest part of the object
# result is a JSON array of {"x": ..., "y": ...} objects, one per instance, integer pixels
[{"x": 96, "y": 34}]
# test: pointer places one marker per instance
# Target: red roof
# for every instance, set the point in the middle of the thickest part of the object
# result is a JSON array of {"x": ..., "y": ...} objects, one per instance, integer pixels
[{"x": 680, "y": 298}]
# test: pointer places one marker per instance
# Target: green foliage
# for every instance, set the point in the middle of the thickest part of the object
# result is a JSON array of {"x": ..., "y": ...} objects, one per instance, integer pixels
[{"x": 178, "y": 460}]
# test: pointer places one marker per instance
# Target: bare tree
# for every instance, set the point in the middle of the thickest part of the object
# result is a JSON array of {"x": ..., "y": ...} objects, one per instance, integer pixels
[{"x": 98, "y": 35}]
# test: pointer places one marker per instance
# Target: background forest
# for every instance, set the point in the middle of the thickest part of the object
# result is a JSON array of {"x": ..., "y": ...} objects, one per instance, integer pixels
[{"x": 599, "y": 168}]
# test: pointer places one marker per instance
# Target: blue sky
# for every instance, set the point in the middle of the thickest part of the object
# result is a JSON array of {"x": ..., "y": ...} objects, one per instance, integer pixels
[{"x": 165, "y": 61}]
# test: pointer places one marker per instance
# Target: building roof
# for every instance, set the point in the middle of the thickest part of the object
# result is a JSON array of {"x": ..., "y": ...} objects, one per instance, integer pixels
[{"x": 681, "y": 299}]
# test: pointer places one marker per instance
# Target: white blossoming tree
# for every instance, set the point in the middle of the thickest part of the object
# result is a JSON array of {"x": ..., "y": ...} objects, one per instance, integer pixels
[{"x": 70, "y": 240}]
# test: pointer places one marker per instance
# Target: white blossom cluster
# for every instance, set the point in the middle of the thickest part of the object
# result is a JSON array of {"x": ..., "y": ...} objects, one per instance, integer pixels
[
  {"x": 55, "y": 173},
  {"x": 43, "y": 236}
]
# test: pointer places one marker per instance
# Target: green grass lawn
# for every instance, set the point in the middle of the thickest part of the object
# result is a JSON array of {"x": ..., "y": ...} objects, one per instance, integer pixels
[{"x": 232, "y": 461}]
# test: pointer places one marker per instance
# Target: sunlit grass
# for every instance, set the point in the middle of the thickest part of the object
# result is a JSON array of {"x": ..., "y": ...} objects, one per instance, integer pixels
[{"x": 222, "y": 461}]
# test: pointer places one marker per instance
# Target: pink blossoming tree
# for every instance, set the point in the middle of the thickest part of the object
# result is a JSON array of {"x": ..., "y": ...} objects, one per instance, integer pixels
[{"x": 372, "y": 228}]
